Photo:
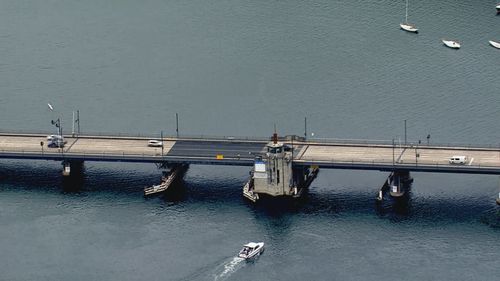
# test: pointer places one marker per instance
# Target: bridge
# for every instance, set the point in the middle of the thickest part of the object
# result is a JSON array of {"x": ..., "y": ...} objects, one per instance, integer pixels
[{"x": 300, "y": 153}]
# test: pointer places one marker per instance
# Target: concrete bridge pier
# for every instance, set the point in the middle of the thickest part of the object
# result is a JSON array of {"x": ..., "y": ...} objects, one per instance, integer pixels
[
  {"x": 72, "y": 167},
  {"x": 273, "y": 174},
  {"x": 172, "y": 173},
  {"x": 399, "y": 183}
]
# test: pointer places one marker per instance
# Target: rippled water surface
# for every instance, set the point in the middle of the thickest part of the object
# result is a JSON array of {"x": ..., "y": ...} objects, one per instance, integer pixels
[{"x": 237, "y": 68}]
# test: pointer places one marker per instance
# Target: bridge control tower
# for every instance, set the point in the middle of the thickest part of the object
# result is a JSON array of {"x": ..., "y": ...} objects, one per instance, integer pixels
[{"x": 274, "y": 175}]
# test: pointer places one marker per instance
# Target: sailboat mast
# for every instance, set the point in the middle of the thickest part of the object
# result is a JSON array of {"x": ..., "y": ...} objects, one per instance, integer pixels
[{"x": 406, "y": 14}]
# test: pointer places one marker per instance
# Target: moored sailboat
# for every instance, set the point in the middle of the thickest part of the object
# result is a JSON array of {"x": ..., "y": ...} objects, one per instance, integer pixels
[
  {"x": 451, "y": 43},
  {"x": 495, "y": 44},
  {"x": 408, "y": 26}
]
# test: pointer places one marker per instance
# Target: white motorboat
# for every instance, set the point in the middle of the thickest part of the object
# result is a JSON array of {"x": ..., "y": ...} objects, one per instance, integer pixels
[
  {"x": 495, "y": 44},
  {"x": 498, "y": 7},
  {"x": 408, "y": 26},
  {"x": 251, "y": 250},
  {"x": 451, "y": 44}
]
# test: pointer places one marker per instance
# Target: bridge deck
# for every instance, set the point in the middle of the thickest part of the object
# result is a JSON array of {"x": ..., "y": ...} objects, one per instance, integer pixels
[
  {"x": 426, "y": 155},
  {"x": 243, "y": 152}
]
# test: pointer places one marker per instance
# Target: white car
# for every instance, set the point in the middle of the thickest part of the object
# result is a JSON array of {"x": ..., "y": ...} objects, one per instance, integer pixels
[
  {"x": 457, "y": 160},
  {"x": 54, "y": 137},
  {"x": 55, "y": 141},
  {"x": 155, "y": 143}
]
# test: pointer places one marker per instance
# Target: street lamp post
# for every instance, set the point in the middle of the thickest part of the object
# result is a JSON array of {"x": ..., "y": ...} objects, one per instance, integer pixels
[
  {"x": 177, "y": 124},
  {"x": 77, "y": 122},
  {"x": 416, "y": 153},
  {"x": 405, "y": 132},
  {"x": 57, "y": 123},
  {"x": 305, "y": 128},
  {"x": 162, "y": 143},
  {"x": 393, "y": 152}
]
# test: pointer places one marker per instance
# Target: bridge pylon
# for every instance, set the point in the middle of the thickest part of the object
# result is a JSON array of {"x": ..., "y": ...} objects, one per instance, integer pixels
[{"x": 274, "y": 175}]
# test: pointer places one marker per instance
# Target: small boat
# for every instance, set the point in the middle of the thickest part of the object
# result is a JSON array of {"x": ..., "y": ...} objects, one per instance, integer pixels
[
  {"x": 451, "y": 44},
  {"x": 251, "y": 250},
  {"x": 498, "y": 7},
  {"x": 408, "y": 26},
  {"x": 495, "y": 44}
]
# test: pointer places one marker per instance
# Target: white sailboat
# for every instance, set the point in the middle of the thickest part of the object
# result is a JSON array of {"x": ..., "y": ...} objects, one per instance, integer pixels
[
  {"x": 408, "y": 26},
  {"x": 451, "y": 43},
  {"x": 495, "y": 44}
]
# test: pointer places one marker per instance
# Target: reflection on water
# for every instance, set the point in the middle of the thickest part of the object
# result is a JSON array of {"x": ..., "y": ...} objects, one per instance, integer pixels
[
  {"x": 203, "y": 221},
  {"x": 21, "y": 175}
]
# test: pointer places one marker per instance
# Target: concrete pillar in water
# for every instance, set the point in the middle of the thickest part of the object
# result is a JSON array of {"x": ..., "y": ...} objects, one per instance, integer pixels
[
  {"x": 72, "y": 167},
  {"x": 274, "y": 175},
  {"x": 399, "y": 183}
]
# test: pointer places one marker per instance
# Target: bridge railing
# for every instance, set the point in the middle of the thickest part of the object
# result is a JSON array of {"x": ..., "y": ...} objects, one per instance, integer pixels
[
  {"x": 428, "y": 165},
  {"x": 57, "y": 154},
  {"x": 401, "y": 144},
  {"x": 333, "y": 141}
]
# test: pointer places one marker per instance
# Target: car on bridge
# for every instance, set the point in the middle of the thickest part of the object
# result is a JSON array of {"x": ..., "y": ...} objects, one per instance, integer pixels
[
  {"x": 458, "y": 159},
  {"x": 155, "y": 143},
  {"x": 55, "y": 141}
]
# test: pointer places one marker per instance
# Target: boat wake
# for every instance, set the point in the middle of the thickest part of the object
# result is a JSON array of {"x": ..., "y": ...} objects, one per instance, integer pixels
[{"x": 226, "y": 269}]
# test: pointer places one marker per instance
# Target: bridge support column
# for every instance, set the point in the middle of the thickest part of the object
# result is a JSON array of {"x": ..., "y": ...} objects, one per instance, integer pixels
[
  {"x": 72, "y": 167},
  {"x": 274, "y": 174},
  {"x": 382, "y": 191},
  {"x": 168, "y": 178},
  {"x": 399, "y": 183}
]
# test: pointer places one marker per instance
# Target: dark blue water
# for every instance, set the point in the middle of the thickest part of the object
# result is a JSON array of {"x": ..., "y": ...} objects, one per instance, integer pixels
[{"x": 238, "y": 68}]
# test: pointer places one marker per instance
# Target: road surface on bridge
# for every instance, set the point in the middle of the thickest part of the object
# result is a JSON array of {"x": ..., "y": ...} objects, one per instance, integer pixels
[{"x": 243, "y": 152}]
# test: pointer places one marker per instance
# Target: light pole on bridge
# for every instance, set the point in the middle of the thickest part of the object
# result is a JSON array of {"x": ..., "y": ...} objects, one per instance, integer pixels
[
  {"x": 405, "y": 133},
  {"x": 393, "y": 156},
  {"x": 177, "y": 124},
  {"x": 58, "y": 122}
]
